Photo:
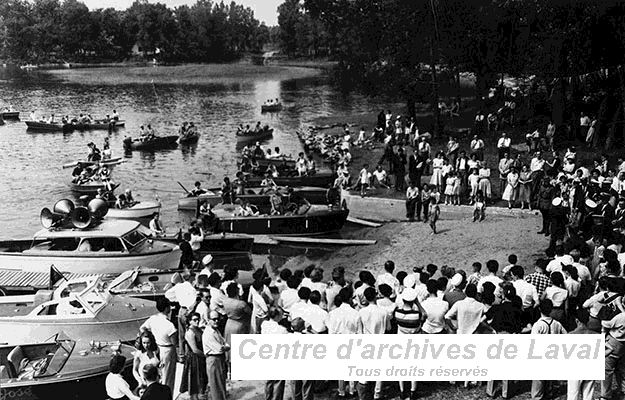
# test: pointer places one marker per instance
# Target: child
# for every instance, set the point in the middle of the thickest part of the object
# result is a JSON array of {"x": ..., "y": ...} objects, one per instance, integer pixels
[
  {"x": 426, "y": 195},
  {"x": 434, "y": 215},
  {"x": 364, "y": 180},
  {"x": 449, "y": 188},
  {"x": 455, "y": 198},
  {"x": 474, "y": 180},
  {"x": 479, "y": 212},
  {"x": 475, "y": 277}
]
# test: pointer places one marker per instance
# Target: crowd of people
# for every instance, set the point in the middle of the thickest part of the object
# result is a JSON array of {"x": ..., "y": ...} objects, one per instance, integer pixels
[
  {"x": 575, "y": 288},
  {"x": 247, "y": 130}
]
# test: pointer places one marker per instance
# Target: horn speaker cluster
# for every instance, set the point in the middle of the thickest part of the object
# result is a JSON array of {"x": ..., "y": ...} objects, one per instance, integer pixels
[{"x": 66, "y": 214}]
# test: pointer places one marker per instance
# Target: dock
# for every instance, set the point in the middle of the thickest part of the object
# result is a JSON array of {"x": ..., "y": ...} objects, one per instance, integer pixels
[
  {"x": 12, "y": 280},
  {"x": 276, "y": 240}
]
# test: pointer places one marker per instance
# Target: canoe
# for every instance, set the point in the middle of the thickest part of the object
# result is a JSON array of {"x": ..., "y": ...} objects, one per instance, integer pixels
[
  {"x": 60, "y": 127},
  {"x": 10, "y": 114},
  {"x": 315, "y": 195},
  {"x": 89, "y": 188},
  {"x": 58, "y": 365},
  {"x": 46, "y": 127},
  {"x": 139, "y": 211},
  {"x": 320, "y": 179},
  {"x": 189, "y": 139},
  {"x": 253, "y": 137},
  {"x": 96, "y": 125},
  {"x": 271, "y": 107},
  {"x": 158, "y": 142},
  {"x": 317, "y": 221}
]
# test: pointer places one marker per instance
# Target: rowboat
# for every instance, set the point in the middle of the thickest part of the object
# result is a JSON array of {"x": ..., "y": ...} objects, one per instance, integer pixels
[
  {"x": 189, "y": 139},
  {"x": 271, "y": 107},
  {"x": 320, "y": 179},
  {"x": 46, "y": 127},
  {"x": 79, "y": 308},
  {"x": 10, "y": 114},
  {"x": 112, "y": 246},
  {"x": 34, "y": 370},
  {"x": 316, "y": 220},
  {"x": 280, "y": 163},
  {"x": 84, "y": 163},
  {"x": 158, "y": 142},
  {"x": 90, "y": 188},
  {"x": 253, "y": 137},
  {"x": 314, "y": 195},
  {"x": 141, "y": 210},
  {"x": 70, "y": 127}
]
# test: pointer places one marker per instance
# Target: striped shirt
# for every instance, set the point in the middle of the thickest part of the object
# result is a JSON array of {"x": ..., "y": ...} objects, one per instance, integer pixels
[{"x": 408, "y": 321}]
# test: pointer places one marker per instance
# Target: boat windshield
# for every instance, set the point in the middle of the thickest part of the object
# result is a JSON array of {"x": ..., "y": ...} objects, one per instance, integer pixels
[
  {"x": 54, "y": 362},
  {"x": 133, "y": 239}
]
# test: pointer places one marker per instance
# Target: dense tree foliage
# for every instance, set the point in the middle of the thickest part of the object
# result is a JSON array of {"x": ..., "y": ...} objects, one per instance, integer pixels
[{"x": 54, "y": 30}]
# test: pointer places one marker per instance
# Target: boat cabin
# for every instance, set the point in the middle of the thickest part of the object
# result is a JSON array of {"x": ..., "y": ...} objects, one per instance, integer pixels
[{"x": 32, "y": 361}]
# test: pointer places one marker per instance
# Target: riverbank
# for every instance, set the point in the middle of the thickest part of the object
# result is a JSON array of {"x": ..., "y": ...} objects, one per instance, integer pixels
[{"x": 188, "y": 74}]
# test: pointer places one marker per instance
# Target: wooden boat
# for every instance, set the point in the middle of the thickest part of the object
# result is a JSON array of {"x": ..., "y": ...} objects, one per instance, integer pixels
[
  {"x": 10, "y": 114},
  {"x": 34, "y": 370},
  {"x": 116, "y": 246},
  {"x": 377, "y": 209},
  {"x": 320, "y": 179},
  {"x": 189, "y": 139},
  {"x": 280, "y": 163},
  {"x": 80, "y": 308},
  {"x": 96, "y": 125},
  {"x": 316, "y": 221},
  {"x": 158, "y": 142},
  {"x": 253, "y": 137},
  {"x": 69, "y": 127},
  {"x": 271, "y": 107},
  {"x": 84, "y": 163},
  {"x": 90, "y": 188},
  {"x": 220, "y": 244},
  {"x": 315, "y": 195},
  {"x": 22, "y": 282},
  {"x": 141, "y": 210},
  {"x": 46, "y": 127}
]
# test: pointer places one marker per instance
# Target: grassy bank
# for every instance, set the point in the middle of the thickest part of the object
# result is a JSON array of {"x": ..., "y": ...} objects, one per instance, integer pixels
[{"x": 192, "y": 74}]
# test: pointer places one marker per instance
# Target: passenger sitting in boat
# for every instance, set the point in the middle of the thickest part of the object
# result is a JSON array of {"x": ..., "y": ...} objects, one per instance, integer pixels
[
  {"x": 94, "y": 152},
  {"x": 51, "y": 119},
  {"x": 107, "y": 153},
  {"x": 121, "y": 202},
  {"x": 247, "y": 130},
  {"x": 183, "y": 129},
  {"x": 301, "y": 165},
  {"x": 85, "y": 246},
  {"x": 205, "y": 207},
  {"x": 277, "y": 206},
  {"x": 296, "y": 204},
  {"x": 273, "y": 171},
  {"x": 192, "y": 130},
  {"x": 267, "y": 184},
  {"x": 258, "y": 127},
  {"x": 115, "y": 115},
  {"x": 197, "y": 190},
  {"x": 246, "y": 152},
  {"x": 84, "y": 177},
  {"x": 130, "y": 201},
  {"x": 149, "y": 132},
  {"x": 268, "y": 155},
  {"x": 209, "y": 220},
  {"x": 311, "y": 168},
  {"x": 155, "y": 225},
  {"x": 239, "y": 184},
  {"x": 65, "y": 120},
  {"x": 226, "y": 191},
  {"x": 33, "y": 116},
  {"x": 248, "y": 210},
  {"x": 258, "y": 152}
]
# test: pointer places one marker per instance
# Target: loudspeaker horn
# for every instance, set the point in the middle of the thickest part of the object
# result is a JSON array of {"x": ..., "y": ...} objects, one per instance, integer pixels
[
  {"x": 49, "y": 219},
  {"x": 63, "y": 207},
  {"x": 98, "y": 208},
  {"x": 81, "y": 217}
]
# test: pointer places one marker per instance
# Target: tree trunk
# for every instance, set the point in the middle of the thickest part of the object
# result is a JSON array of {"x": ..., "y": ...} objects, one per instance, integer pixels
[
  {"x": 434, "y": 101},
  {"x": 602, "y": 117},
  {"x": 558, "y": 102}
]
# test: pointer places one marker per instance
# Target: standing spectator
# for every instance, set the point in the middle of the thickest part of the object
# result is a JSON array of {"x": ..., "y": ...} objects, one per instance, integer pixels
[
  {"x": 584, "y": 387},
  {"x": 409, "y": 317},
  {"x": 185, "y": 295},
  {"x": 505, "y": 163},
  {"x": 260, "y": 305},
  {"x": 550, "y": 135},
  {"x": 147, "y": 353},
  {"x": 511, "y": 192},
  {"x": 492, "y": 266},
  {"x": 412, "y": 197},
  {"x": 215, "y": 349},
  {"x": 525, "y": 192},
  {"x": 165, "y": 335},
  {"x": 547, "y": 326},
  {"x": 477, "y": 148},
  {"x": 503, "y": 145},
  {"x": 436, "y": 181},
  {"x": 400, "y": 169},
  {"x": 435, "y": 309},
  {"x": 546, "y": 193},
  {"x": 194, "y": 379},
  {"x": 274, "y": 390},
  {"x": 238, "y": 313},
  {"x": 466, "y": 313}
]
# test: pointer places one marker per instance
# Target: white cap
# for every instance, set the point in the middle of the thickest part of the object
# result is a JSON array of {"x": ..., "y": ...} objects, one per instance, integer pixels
[
  {"x": 409, "y": 294},
  {"x": 556, "y": 202},
  {"x": 207, "y": 259},
  {"x": 456, "y": 280}
]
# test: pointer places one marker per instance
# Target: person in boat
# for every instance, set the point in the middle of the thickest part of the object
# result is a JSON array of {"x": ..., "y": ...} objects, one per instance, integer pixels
[
  {"x": 197, "y": 190},
  {"x": 249, "y": 210},
  {"x": 149, "y": 132},
  {"x": 183, "y": 130},
  {"x": 268, "y": 184},
  {"x": 121, "y": 202},
  {"x": 85, "y": 246},
  {"x": 33, "y": 116},
  {"x": 65, "y": 120},
  {"x": 333, "y": 194},
  {"x": 246, "y": 152},
  {"x": 253, "y": 166},
  {"x": 301, "y": 165},
  {"x": 240, "y": 128},
  {"x": 208, "y": 217},
  {"x": 192, "y": 129},
  {"x": 273, "y": 171},
  {"x": 258, "y": 128},
  {"x": 130, "y": 201},
  {"x": 268, "y": 155},
  {"x": 115, "y": 116},
  {"x": 258, "y": 151},
  {"x": 277, "y": 205},
  {"x": 296, "y": 204},
  {"x": 107, "y": 153},
  {"x": 239, "y": 184},
  {"x": 311, "y": 168},
  {"x": 94, "y": 152},
  {"x": 155, "y": 225},
  {"x": 84, "y": 177},
  {"x": 227, "y": 196},
  {"x": 51, "y": 119},
  {"x": 142, "y": 133},
  {"x": 247, "y": 130}
]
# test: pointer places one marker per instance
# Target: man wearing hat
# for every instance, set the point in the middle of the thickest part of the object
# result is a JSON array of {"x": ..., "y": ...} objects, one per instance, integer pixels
[
  {"x": 409, "y": 317},
  {"x": 455, "y": 294},
  {"x": 558, "y": 214},
  {"x": 206, "y": 268}
]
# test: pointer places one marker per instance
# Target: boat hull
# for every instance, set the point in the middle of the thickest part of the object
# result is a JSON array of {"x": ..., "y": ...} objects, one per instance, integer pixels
[
  {"x": 312, "y": 223},
  {"x": 270, "y": 108},
  {"x": 10, "y": 115},
  {"x": 322, "y": 180},
  {"x": 189, "y": 139},
  {"x": 222, "y": 244},
  {"x": 94, "y": 263},
  {"x": 45, "y": 127},
  {"x": 160, "y": 142},
  {"x": 253, "y": 137},
  {"x": 376, "y": 209},
  {"x": 314, "y": 195},
  {"x": 139, "y": 211},
  {"x": 90, "y": 188}
]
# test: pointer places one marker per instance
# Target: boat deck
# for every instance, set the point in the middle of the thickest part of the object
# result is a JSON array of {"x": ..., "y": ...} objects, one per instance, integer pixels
[{"x": 25, "y": 281}]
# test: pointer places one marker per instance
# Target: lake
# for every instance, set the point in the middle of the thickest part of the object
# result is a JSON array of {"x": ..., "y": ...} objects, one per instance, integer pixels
[{"x": 31, "y": 174}]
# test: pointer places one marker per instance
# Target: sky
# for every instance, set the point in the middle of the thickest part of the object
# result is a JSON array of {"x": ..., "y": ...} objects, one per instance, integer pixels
[{"x": 264, "y": 10}]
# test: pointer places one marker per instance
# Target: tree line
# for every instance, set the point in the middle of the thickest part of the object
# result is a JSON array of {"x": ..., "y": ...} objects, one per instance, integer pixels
[
  {"x": 55, "y": 31},
  {"x": 392, "y": 44}
]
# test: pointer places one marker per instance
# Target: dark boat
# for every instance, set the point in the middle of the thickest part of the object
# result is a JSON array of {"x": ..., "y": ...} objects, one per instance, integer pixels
[
  {"x": 264, "y": 134},
  {"x": 46, "y": 127},
  {"x": 189, "y": 139},
  {"x": 61, "y": 127},
  {"x": 158, "y": 142},
  {"x": 90, "y": 188},
  {"x": 57, "y": 368},
  {"x": 220, "y": 245},
  {"x": 314, "y": 195},
  {"x": 10, "y": 114},
  {"x": 320, "y": 179},
  {"x": 280, "y": 163},
  {"x": 315, "y": 221},
  {"x": 271, "y": 107}
]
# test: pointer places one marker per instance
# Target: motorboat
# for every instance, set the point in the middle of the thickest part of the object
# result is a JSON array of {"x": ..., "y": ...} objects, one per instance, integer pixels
[
  {"x": 57, "y": 367},
  {"x": 81, "y": 308},
  {"x": 79, "y": 240},
  {"x": 263, "y": 134},
  {"x": 10, "y": 114},
  {"x": 140, "y": 210}
]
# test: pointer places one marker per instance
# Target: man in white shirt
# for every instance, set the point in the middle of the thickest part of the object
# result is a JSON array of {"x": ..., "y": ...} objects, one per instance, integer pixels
[
  {"x": 560, "y": 259},
  {"x": 537, "y": 162},
  {"x": 388, "y": 278},
  {"x": 503, "y": 145},
  {"x": 289, "y": 296},
  {"x": 466, "y": 313},
  {"x": 582, "y": 271},
  {"x": 301, "y": 308},
  {"x": 316, "y": 318},
  {"x": 526, "y": 291},
  {"x": 259, "y": 305},
  {"x": 492, "y": 266},
  {"x": 274, "y": 390},
  {"x": 477, "y": 147},
  {"x": 374, "y": 318},
  {"x": 216, "y": 295},
  {"x": 379, "y": 176},
  {"x": 544, "y": 326},
  {"x": 435, "y": 309},
  {"x": 165, "y": 336},
  {"x": 185, "y": 295}
]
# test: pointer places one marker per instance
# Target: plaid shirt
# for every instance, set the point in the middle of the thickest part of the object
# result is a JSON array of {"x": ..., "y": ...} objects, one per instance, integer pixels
[{"x": 540, "y": 281}]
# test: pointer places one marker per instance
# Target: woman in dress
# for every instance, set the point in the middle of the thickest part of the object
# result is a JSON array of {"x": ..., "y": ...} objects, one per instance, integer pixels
[
  {"x": 194, "y": 378},
  {"x": 558, "y": 295},
  {"x": 474, "y": 180},
  {"x": 449, "y": 188},
  {"x": 147, "y": 353},
  {"x": 511, "y": 191},
  {"x": 238, "y": 312},
  {"x": 525, "y": 192},
  {"x": 437, "y": 173},
  {"x": 484, "y": 183}
]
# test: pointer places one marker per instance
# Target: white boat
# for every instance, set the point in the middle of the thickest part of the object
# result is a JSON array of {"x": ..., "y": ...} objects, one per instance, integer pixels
[
  {"x": 111, "y": 246},
  {"x": 140, "y": 210},
  {"x": 80, "y": 308}
]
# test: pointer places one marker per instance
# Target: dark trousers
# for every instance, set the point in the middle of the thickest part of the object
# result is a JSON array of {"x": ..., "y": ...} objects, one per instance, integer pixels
[
  {"x": 400, "y": 181},
  {"x": 182, "y": 329},
  {"x": 546, "y": 220},
  {"x": 302, "y": 390},
  {"x": 365, "y": 390},
  {"x": 425, "y": 206},
  {"x": 410, "y": 208},
  {"x": 274, "y": 390}
]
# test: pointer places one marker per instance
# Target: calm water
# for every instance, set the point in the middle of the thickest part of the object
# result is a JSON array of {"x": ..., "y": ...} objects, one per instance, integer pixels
[{"x": 31, "y": 176}]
